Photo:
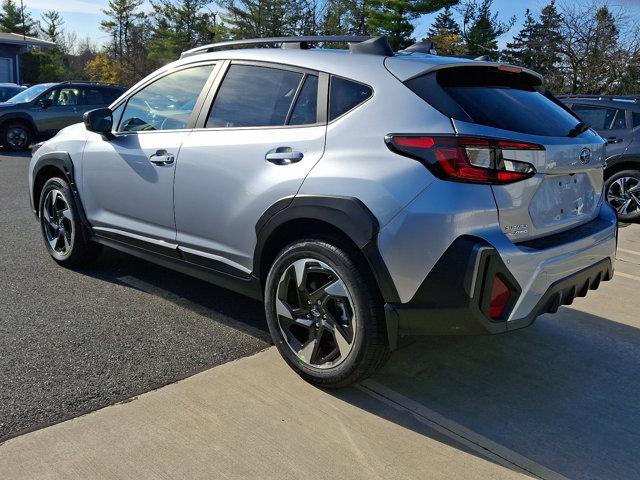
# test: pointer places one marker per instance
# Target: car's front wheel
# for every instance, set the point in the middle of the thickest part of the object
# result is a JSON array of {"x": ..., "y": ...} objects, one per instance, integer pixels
[
  {"x": 17, "y": 137},
  {"x": 61, "y": 227},
  {"x": 325, "y": 314},
  {"x": 623, "y": 193}
]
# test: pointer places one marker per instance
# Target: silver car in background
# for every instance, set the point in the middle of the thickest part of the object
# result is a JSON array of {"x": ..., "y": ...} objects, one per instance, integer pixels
[{"x": 364, "y": 195}]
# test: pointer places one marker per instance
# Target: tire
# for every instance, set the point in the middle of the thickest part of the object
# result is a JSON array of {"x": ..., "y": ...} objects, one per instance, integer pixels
[
  {"x": 17, "y": 136},
  {"x": 622, "y": 192},
  {"x": 348, "y": 325},
  {"x": 61, "y": 227}
]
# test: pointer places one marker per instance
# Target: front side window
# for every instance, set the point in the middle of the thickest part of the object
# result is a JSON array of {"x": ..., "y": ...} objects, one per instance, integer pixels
[
  {"x": 167, "y": 103},
  {"x": 601, "y": 118},
  {"x": 253, "y": 96},
  {"x": 64, "y": 97}
]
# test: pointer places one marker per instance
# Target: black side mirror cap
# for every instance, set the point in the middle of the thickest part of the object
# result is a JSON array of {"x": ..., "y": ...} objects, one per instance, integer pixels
[{"x": 99, "y": 121}]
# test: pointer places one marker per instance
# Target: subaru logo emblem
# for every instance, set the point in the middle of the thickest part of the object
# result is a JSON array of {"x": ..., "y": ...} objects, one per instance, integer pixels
[{"x": 585, "y": 156}]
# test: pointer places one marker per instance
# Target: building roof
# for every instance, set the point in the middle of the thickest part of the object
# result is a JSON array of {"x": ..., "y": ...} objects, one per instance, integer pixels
[{"x": 25, "y": 41}]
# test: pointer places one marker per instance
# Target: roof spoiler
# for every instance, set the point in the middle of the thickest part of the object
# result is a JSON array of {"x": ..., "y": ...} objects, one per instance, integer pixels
[{"x": 357, "y": 44}]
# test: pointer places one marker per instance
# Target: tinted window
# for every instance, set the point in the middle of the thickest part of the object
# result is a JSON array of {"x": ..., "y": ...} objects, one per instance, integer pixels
[
  {"x": 167, "y": 103},
  {"x": 30, "y": 93},
  {"x": 346, "y": 95},
  {"x": 64, "y": 97},
  {"x": 7, "y": 92},
  {"x": 94, "y": 96},
  {"x": 487, "y": 96},
  {"x": 253, "y": 96},
  {"x": 601, "y": 118},
  {"x": 636, "y": 119},
  {"x": 100, "y": 95},
  {"x": 305, "y": 111}
]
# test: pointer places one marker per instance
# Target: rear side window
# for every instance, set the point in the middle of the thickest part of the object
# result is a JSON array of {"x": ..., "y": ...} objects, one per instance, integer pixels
[
  {"x": 345, "y": 95},
  {"x": 601, "y": 118},
  {"x": 636, "y": 119},
  {"x": 305, "y": 110},
  {"x": 487, "y": 96},
  {"x": 252, "y": 96}
]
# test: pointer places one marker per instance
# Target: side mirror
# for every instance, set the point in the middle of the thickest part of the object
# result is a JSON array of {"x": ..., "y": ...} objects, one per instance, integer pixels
[
  {"x": 45, "y": 102},
  {"x": 99, "y": 121}
]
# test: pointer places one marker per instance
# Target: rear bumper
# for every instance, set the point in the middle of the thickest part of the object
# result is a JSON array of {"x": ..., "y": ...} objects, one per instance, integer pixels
[{"x": 454, "y": 297}]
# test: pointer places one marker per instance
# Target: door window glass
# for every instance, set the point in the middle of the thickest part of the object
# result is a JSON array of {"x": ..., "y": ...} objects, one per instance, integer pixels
[
  {"x": 305, "y": 111},
  {"x": 63, "y": 97},
  {"x": 252, "y": 96},
  {"x": 346, "y": 95},
  {"x": 601, "y": 118},
  {"x": 636, "y": 119},
  {"x": 167, "y": 103}
]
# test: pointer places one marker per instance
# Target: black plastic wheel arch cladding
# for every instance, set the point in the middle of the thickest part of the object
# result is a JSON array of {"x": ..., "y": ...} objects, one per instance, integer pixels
[
  {"x": 347, "y": 214},
  {"x": 62, "y": 161}
]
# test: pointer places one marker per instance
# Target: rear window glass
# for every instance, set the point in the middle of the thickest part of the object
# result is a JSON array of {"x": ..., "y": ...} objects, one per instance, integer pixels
[
  {"x": 601, "y": 118},
  {"x": 346, "y": 95},
  {"x": 252, "y": 96},
  {"x": 509, "y": 101}
]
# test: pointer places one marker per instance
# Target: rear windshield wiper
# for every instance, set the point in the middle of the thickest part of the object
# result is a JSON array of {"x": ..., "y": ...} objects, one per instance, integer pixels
[{"x": 581, "y": 127}]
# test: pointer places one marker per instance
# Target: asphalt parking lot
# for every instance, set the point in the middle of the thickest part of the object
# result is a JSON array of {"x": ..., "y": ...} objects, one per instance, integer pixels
[
  {"x": 74, "y": 341},
  {"x": 556, "y": 400}
]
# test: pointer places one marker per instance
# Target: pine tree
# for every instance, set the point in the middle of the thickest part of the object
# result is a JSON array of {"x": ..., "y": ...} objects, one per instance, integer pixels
[
  {"x": 446, "y": 34},
  {"x": 260, "y": 18},
  {"x": 123, "y": 16},
  {"x": 523, "y": 49},
  {"x": 14, "y": 19},
  {"x": 394, "y": 19},
  {"x": 179, "y": 26},
  {"x": 549, "y": 46},
  {"x": 482, "y": 28},
  {"x": 52, "y": 25}
]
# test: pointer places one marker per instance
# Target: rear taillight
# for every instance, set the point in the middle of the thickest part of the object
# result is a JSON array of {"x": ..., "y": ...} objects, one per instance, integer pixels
[{"x": 466, "y": 159}]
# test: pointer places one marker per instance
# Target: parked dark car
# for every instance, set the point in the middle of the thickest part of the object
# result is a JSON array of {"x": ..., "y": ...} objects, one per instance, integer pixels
[
  {"x": 8, "y": 90},
  {"x": 616, "y": 119},
  {"x": 40, "y": 111}
]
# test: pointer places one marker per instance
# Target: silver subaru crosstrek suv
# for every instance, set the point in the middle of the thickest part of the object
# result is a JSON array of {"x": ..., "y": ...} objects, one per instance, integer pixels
[{"x": 365, "y": 195}]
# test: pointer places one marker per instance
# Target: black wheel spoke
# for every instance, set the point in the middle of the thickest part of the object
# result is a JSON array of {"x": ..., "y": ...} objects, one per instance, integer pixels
[
  {"x": 309, "y": 296},
  {"x": 57, "y": 222}
]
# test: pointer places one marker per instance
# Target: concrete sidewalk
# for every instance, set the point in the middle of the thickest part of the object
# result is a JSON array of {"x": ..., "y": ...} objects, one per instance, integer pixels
[{"x": 252, "y": 418}]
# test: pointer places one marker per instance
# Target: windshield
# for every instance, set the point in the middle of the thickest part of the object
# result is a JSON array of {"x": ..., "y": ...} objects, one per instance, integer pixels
[{"x": 30, "y": 93}]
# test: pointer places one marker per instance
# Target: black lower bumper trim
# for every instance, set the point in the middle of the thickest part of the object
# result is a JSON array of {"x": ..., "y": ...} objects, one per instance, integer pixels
[{"x": 454, "y": 298}]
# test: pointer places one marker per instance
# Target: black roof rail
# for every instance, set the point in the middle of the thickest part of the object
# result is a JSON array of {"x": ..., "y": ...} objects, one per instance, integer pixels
[
  {"x": 89, "y": 82},
  {"x": 617, "y": 98},
  {"x": 357, "y": 44}
]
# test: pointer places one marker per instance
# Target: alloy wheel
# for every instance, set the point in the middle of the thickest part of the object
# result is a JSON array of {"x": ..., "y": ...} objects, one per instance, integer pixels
[
  {"x": 57, "y": 222},
  {"x": 624, "y": 195},
  {"x": 17, "y": 137},
  {"x": 315, "y": 313}
]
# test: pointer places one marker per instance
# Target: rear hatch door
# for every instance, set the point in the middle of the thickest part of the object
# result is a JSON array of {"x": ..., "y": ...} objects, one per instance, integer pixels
[{"x": 506, "y": 102}]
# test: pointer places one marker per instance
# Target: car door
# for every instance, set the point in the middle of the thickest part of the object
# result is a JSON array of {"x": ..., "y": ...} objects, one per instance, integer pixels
[
  {"x": 262, "y": 135},
  {"x": 94, "y": 96},
  {"x": 610, "y": 123},
  {"x": 127, "y": 180},
  {"x": 58, "y": 108}
]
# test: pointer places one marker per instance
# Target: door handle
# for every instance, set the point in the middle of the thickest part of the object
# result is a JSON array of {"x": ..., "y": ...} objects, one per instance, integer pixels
[
  {"x": 162, "y": 157},
  {"x": 283, "y": 156},
  {"x": 614, "y": 140}
]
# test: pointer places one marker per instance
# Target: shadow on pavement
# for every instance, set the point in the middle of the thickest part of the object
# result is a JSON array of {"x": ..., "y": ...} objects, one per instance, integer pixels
[
  {"x": 239, "y": 311},
  {"x": 563, "y": 393}
]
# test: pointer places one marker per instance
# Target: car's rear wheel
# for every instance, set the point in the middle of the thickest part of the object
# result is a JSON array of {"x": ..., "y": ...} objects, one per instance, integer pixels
[
  {"x": 623, "y": 193},
  {"x": 325, "y": 313},
  {"x": 17, "y": 137},
  {"x": 61, "y": 227}
]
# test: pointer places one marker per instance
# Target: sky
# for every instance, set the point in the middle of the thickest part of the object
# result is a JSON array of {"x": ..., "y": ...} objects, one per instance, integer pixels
[{"x": 84, "y": 16}]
